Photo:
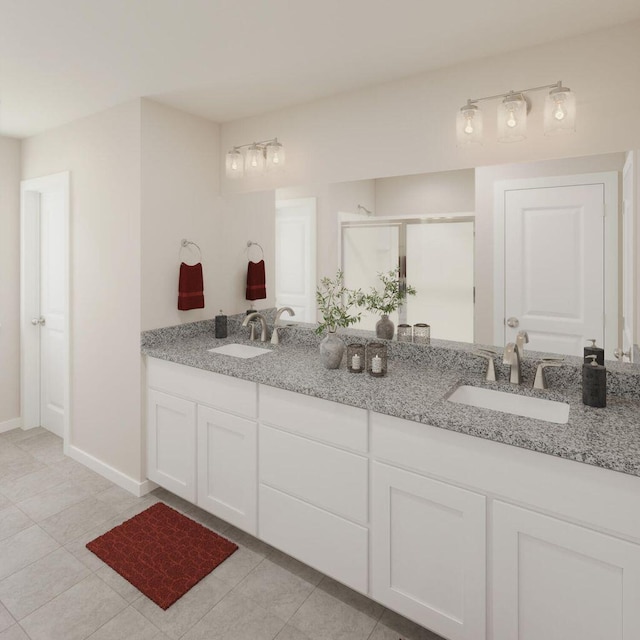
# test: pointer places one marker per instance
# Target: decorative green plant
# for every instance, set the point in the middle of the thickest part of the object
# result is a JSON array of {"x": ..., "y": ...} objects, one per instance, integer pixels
[
  {"x": 390, "y": 298},
  {"x": 335, "y": 302}
]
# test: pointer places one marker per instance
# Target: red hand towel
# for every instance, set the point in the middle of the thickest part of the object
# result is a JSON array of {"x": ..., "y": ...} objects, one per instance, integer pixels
[
  {"x": 190, "y": 287},
  {"x": 256, "y": 281}
]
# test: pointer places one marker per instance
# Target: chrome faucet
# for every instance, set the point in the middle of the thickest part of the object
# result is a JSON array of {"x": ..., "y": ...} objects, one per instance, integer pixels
[
  {"x": 275, "y": 338},
  {"x": 512, "y": 358},
  {"x": 263, "y": 322}
]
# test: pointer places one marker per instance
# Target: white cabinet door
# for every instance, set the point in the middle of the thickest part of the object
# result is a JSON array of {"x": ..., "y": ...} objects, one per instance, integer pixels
[
  {"x": 428, "y": 552},
  {"x": 171, "y": 443},
  {"x": 560, "y": 581},
  {"x": 227, "y": 467}
]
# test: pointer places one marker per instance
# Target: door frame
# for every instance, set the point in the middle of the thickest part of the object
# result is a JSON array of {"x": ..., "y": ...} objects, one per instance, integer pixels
[
  {"x": 610, "y": 182},
  {"x": 30, "y": 298}
]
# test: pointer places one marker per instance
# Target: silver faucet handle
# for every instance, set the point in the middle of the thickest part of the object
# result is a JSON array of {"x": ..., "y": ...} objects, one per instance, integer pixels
[
  {"x": 540, "y": 381},
  {"x": 522, "y": 338},
  {"x": 490, "y": 376}
]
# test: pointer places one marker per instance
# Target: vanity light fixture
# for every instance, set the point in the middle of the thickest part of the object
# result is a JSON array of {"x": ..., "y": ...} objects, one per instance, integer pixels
[
  {"x": 254, "y": 158},
  {"x": 559, "y": 115}
]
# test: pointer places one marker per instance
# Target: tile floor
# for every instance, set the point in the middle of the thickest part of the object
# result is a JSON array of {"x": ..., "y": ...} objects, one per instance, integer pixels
[{"x": 53, "y": 588}]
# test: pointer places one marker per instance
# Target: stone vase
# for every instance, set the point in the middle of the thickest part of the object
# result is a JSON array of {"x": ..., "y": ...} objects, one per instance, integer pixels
[
  {"x": 385, "y": 328},
  {"x": 331, "y": 350}
]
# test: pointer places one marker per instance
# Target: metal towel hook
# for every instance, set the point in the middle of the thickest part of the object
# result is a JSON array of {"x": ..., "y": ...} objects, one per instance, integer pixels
[
  {"x": 251, "y": 243},
  {"x": 188, "y": 243}
]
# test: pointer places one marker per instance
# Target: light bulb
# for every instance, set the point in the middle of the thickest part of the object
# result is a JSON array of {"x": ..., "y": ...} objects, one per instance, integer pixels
[
  {"x": 468, "y": 128},
  {"x": 511, "y": 121},
  {"x": 254, "y": 161},
  {"x": 234, "y": 165},
  {"x": 275, "y": 158}
]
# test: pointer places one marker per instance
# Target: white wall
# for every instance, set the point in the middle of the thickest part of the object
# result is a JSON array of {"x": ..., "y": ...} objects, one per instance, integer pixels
[
  {"x": 180, "y": 182},
  {"x": 245, "y": 217},
  {"x": 485, "y": 179},
  {"x": 102, "y": 152},
  {"x": 408, "y": 126},
  {"x": 425, "y": 193},
  {"x": 9, "y": 282}
]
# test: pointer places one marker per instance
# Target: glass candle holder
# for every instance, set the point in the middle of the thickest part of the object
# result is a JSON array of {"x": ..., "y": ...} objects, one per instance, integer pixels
[
  {"x": 355, "y": 358},
  {"x": 405, "y": 333},
  {"x": 421, "y": 333},
  {"x": 377, "y": 359}
]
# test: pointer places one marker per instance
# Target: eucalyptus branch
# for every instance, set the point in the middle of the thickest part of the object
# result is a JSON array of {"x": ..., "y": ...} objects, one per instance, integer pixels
[
  {"x": 335, "y": 302},
  {"x": 390, "y": 298}
]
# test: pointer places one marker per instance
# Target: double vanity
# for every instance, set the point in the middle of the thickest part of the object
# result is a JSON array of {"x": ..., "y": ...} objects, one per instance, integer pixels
[{"x": 377, "y": 483}]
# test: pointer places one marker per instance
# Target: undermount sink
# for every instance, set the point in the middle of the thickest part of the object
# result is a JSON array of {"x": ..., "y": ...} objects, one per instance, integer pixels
[
  {"x": 525, "y": 406},
  {"x": 240, "y": 350}
]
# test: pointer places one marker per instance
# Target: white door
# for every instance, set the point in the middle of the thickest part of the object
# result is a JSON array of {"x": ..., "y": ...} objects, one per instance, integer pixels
[
  {"x": 557, "y": 581},
  {"x": 554, "y": 267},
  {"x": 628, "y": 256},
  {"x": 429, "y": 553},
  {"x": 45, "y": 321},
  {"x": 296, "y": 257},
  {"x": 227, "y": 467}
]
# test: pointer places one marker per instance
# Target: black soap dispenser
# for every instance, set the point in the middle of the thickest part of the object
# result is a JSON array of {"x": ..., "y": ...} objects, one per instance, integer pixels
[
  {"x": 221, "y": 325},
  {"x": 594, "y": 382},
  {"x": 593, "y": 350}
]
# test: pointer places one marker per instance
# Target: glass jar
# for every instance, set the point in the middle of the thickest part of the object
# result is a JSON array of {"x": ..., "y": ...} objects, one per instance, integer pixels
[
  {"x": 377, "y": 359},
  {"x": 355, "y": 358},
  {"x": 405, "y": 333},
  {"x": 421, "y": 333}
]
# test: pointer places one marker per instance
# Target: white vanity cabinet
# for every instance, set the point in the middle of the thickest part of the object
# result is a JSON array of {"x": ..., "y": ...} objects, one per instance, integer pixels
[
  {"x": 202, "y": 439},
  {"x": 556, "y": 580},
  {"x": 171, "y": 443},
  {"x": 314, "y": 483},
  {"x": 428, "y": 549}
]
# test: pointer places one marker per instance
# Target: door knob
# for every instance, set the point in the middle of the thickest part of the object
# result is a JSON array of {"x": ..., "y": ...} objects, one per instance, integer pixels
[
  {"x": 38, "y": 321},
  {"x": 513, "y": 323},
  {"x": 621, "y": 355}
]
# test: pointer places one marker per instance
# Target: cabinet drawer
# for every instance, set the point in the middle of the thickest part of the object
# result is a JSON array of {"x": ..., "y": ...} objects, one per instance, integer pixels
[
  {"x": 205, "y": 387},
  {"x": 325, "y": 476},
  {"x": 323, "y": 420},
  {"x": 326, "y": 542}
]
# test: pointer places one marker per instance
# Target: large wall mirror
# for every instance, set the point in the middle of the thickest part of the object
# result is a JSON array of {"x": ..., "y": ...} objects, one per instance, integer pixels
[{"x": 546, "y": 247}]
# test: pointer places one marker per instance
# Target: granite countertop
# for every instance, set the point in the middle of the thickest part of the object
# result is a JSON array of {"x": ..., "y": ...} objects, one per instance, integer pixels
[{"x": 418, "y": 391}]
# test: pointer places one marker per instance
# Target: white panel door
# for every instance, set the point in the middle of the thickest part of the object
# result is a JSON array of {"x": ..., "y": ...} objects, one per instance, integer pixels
[
  {"x": 171, "y": 443},
  {"x": 296, "y": 257},
  {"x": 52, "y": 310},
  {"x": 557, "y": 581},
  {"x": 428, "y": 552},
  {"x": 44, "y": 302},
  {"x": 554, "y": 266},
  {"x": 227, "y": 467}
]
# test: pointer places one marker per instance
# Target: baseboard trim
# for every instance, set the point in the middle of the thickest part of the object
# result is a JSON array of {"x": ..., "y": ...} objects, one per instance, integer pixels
[
  {"x": 110, "y": 473},
  {"x": 10, "y": 425}
]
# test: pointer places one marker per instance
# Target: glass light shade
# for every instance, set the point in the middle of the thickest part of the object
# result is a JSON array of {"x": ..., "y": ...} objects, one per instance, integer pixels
[
  {"x": 275, "y": 156},
  {"x": 469, "y": 125},
  {"x": 512, "y": 119},
  {"x": 254, "y": 160},
  {"x": 234, "y": 164},
  {"x": 560, "y": 111}
]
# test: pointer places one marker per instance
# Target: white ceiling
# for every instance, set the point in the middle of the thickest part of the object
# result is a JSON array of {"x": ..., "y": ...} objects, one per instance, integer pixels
[{"x": 226, "y": 59}]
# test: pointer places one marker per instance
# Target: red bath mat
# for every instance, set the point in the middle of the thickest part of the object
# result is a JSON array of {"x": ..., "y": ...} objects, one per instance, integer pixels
[{"x": 162, "y": 553}]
